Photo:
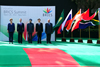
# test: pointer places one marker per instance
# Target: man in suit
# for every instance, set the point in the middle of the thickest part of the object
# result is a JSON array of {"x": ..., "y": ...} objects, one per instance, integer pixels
[
  {"x": 20, "y": 30},
  {"x": 39, "y": 30},
  {"x": 30, "y": 30},
  {"x": 48, "y": 30}
]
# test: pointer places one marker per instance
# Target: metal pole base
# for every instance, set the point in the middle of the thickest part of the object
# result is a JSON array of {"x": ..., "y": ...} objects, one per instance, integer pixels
[
  {"x": 71, "y": 40},
  {"x": 89, "y": 41},
  {"x": 80, "y": 40},
  {"x": 63, "y": 39},
  {"x": 98, "y": 41}
]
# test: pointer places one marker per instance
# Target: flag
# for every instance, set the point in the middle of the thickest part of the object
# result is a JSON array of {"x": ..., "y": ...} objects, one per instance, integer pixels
[
  {"x": 76, "y": 24},
  {"x": 71, "y": 22},
  {"x": 85, "y": 25},
  {"x": 65, "y": 22},
  {"x": 60, "y": 20},
  {"x": 88, "y": 17},
  {"x": 84, "y": 16},
  {"x": 94, "y": 21}
]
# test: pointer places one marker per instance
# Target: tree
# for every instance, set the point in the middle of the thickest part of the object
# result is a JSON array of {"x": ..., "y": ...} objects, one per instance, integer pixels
[{"x": 85, "y": 4}]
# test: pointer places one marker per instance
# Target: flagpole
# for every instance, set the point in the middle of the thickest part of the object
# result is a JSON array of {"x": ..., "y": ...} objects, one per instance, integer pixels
[
  {"x": 89, "y": 40},
  {"x": 89, "y": 32},
  {"x": 80, "y": 33},
  {"x": 98, "y": 41},
  {"x": 71, "y": 40},
  {"x": 80, "y": 40},
  {"x": 71, "y": 34},
  {"x": 64, "y": 39},
  {"x": 63, "y": 33},
  {"x": 99, "y": 32}
]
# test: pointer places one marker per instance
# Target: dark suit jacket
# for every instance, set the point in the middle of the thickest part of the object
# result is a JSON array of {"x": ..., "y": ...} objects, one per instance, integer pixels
[
  {"x": 48, "y": 28},
  {"x": 11, "y": 28},
  {"x": 30, "y": 27},
  {"x": 39, "y": 28},
  {"x": 20, "y": 28}
]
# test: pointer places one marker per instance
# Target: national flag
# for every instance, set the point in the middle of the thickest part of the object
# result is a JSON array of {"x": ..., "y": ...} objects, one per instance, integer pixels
[
  {"x": 85, "y": 25},
  {"x": 60, "y": 20},
  {"x": 71, "y": 22},
  {"x": 84, "y": 16},
  {"x": 94, "y": 21},
  {"x": 65, "y": 22},
  {"x": 87, "y": 16},
  {"x": 76, "y": 24}
]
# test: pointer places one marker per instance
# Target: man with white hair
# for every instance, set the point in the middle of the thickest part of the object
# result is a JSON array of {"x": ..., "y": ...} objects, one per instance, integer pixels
[
  {"x": 48, "y": 31},
  {"x": 20, "y": 30}
]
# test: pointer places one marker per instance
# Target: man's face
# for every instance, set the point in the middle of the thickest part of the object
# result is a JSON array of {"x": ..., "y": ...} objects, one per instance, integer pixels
[
  {"x": 20, "y": 20},
  {"x": 48, "y": 21},
  {"x": 30, "y": 21},
  {"x": 39, "y": 20}
]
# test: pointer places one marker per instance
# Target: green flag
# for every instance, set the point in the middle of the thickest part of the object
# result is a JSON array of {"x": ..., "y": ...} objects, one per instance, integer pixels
[
  {"x": 94, "y": 21},
  {"x": 60, "y": 20}
]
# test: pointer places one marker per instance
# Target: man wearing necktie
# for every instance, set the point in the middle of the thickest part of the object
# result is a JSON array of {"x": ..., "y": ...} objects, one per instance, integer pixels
[
  {"x": 30, "y": 30},
  {"x": 20, "y": 30},
  {"x": 39, "y": 30},
  {"x": 48, "y": 30}
]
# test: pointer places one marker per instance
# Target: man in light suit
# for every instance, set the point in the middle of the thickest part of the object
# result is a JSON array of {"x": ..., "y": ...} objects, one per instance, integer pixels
[
  {"x": 20, "y": 30},
  {"x": 39, "y": 30},
  {"x": 48, "y": 30},
  {"x": 30, "y": 30}
]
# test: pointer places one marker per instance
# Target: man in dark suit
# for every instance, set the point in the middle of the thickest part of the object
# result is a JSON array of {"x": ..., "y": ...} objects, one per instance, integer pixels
[
  {"x": 39, "y": 30},
  {"x": 30, "y": 30},
  {"x": 48, "y": 30},
  {"x": 20, "y": 30}
]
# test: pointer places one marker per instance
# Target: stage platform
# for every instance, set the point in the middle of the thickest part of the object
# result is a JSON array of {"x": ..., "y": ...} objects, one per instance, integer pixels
[{"x": 57, "y": 54}]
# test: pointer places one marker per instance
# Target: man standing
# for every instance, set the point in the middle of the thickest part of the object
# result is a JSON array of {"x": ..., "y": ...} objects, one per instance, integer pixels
[
  {"x": 39, "y": 30},
  {"x": 20, "y": 30},
  {"x": 30, "y": 30},
  {"x": 48, "y": 30}
]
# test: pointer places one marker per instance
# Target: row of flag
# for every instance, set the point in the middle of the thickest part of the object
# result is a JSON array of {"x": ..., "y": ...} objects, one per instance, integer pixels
[{"x": 80, "y": 20}]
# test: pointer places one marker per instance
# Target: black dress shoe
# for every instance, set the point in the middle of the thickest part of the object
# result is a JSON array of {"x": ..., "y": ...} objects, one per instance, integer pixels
[
  {"x": 12, "y": 42},
  {"x": 50, "y": 43}
]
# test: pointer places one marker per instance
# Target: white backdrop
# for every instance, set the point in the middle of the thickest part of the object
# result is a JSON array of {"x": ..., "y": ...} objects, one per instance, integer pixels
[{"x": 26, "y": 12}]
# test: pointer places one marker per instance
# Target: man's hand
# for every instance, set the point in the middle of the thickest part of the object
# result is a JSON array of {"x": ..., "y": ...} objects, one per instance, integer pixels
[{"x": 7, "y": 31}]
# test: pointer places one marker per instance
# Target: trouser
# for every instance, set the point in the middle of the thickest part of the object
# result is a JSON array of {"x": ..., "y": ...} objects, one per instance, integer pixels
[
  {"x": 10, "y": 36},
  {"x": 19, "y": 37},
  {"x": 39, "y": 37},
  {"x": 48, "y": 38},
  {"x": 30, "y": 37}
]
